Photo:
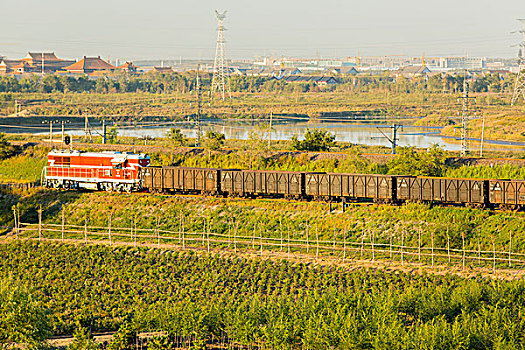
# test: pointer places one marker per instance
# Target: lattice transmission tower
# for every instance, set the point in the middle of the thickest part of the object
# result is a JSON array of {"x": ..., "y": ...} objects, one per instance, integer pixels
[
  {"x": 519, "y": 85},
  {"x": 465, "y": 118},
  {"x": 221, "y": 81}
]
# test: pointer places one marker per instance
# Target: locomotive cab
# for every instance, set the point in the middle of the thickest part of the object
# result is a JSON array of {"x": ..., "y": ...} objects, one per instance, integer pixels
[{"x": 110, "y": 171}]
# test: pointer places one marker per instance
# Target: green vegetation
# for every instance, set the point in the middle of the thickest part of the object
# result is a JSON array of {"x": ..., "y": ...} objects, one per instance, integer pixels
[
  {"x": 444, "y": 225},
  {"x": 315, "y": 140},
  {"x": 250, "y": 302},
  {"x": 176, "y": 138},
  {"x": 6, "y": 149},
  {"x": 25, "y": 167},
  {"x": 23, "y": 319},
  {"x": 411, "y": 162},
  {"x": 214, "y": 140}
]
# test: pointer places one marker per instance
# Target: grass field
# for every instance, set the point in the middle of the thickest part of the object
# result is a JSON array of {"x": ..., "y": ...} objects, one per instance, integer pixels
[{"x": 503, "y": 122}]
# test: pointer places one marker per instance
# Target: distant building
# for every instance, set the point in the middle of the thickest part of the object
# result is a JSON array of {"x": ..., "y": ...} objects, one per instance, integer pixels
[
  {"x": 163, "y": 70},
  {"x": 462, "y": 62},
  {"x": 260, "y": 72},
  {"x": 344, "y": 70},
  {"x": 6, "y": 66},
  {"x": 128, "y": 67},
  {"x": 90, "y": 65},
  {"x": 34, "y": 62},
  {"x": 321, "y": 81},
  {"x": 47, "y": 61},
  {"x": 413, "y": 71}
]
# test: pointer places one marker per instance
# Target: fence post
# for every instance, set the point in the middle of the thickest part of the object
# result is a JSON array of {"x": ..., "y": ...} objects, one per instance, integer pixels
[
  {"x": 344, "y": 245},
  {"x": 288, "y": 240},
  {"x": 510, "y": 248},
  {"x": 493, "y": 253},
  {"x": 307, "y": 242},
  {"x": 85, "y": 229},
  {"x": 479, "y": 250},
  {"x": 260, "y": 239},
  {"x": 18, "y": 224},
  {"x": 419, "y": 243},
  {"x": 390, "y": 245},
  {"x": 281, "y": 229},
  {"x": 157, "y": 229},
  {"x": 402, "y": 243},
  {"x": 15, "y": 222},
  {"x": 235, "y": 235},
  {"x": 362, "y": 240},
  {"x": 40, "y": 223},
  {"x": 203, "y": 231},
  {"x": 334, "y": 240},
  {"x": 463, "y": 247},
  {"x": 253, "y": 237},
  {"x": 432, "y": 240},
  {"x": 317, "y": 246},
  {"x": 373, "y": 250},
  {"x": 229, "y": 234},
  {"x": 448, "y": 246},
  {"x": 180, "y": 225},
  {"x": 131, "y": 229},
  {"x": 109, "y": 228},
  {"x": 63, "y": 222},
  {"x": 182, "y": 229},
  {"x": 208, "y": 234}
]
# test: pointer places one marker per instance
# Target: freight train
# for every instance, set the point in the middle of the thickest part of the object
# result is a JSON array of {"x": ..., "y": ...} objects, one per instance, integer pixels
[{"x": 115, "y": 171}]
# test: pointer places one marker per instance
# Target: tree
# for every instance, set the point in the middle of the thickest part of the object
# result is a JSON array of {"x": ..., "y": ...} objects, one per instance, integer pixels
[
  {"x": 315, "y": 140},
  {"x": 176, "y": 137},
  {"x": 82, "y": 340},
  {"x": 112, "y": 134},
  {"x": 6, "y": 149},
  {"x": 23, "y": 320},
  {"x": 123, "y": 339},
  {"x": 214, "y": 140},
  {"x": 411, "y": 162}
]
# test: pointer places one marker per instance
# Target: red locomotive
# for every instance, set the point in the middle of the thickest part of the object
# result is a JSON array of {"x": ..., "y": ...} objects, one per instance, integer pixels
[{"x": 110, "y": 171}]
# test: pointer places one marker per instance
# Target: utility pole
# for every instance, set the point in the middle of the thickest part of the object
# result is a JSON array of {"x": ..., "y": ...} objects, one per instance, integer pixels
[
  {"x": 482, "y": 138},
  {"x": 199, "y": 102},
  {"x": 43, "y": 68},
  {"x": 465, "y": 118},
  {"x": 270, "y": 131},
  {"x": 104, "y": 137},
  {"x": 393, "y": 139},
  {"x": 220, "y": 81},
  {"x": 87, "y": 130},
  {"x": 519, "y": 85}
]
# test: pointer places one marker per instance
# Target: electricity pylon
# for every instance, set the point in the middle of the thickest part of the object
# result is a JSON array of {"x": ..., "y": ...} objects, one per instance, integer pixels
[
  {"x": 519, "y": 85},
  {"x": 220, "y": 82}
]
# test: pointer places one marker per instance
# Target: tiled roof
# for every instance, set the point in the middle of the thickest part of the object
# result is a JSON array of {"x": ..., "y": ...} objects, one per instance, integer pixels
[
  {"x": 163, "y": 69},
  {"x": 128, "y": 65},
  {"x": 414, "y": 70},
  {"x": 9, "y": 63},
  {"x": 307, "y": 78},
  {"x": 37, "y": 56},
  {"x": 90, "y": 64}
]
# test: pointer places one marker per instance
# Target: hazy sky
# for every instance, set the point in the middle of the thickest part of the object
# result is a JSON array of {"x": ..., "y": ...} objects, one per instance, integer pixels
[{"x": 168, "y": 29}]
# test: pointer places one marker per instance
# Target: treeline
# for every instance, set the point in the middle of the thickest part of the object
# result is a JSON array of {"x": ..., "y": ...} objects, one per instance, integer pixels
[{"x": 184, "y": 82}]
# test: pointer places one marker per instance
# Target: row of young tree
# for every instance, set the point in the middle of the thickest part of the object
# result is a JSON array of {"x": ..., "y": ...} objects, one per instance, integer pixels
[
  {"x": 65, "y": 289},
  {"x": 184, "y": 82}
]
